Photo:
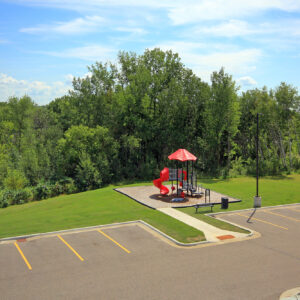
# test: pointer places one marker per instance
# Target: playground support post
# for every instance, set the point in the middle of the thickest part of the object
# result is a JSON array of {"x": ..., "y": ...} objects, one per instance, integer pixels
[
  {"x": 187, "y": 177},
  {"x": 177, "y": 179}
]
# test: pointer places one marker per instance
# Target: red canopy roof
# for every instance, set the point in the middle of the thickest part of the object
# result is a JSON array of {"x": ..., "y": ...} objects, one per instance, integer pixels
[{"x": 182, "y": 155}]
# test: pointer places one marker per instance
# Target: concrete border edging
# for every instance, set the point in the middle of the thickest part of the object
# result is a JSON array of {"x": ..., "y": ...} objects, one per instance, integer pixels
[
  {"x": 172, "y": 239},
  {"x": 152, "y": 228},
  {"x": 116, "y": 190},
  {"x": 64, "y": 231}
]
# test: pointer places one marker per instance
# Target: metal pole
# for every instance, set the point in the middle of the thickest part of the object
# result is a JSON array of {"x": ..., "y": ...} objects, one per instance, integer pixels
[
  {"x": 187, "y": 177},
  {"x": 177, "y": 178},
  {"x": 257, "y": 134},
  {"x": 257, "y": 199}
]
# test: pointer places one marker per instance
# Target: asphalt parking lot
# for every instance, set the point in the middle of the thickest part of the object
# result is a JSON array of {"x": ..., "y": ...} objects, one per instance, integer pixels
[{"x": 129, "y": 262}]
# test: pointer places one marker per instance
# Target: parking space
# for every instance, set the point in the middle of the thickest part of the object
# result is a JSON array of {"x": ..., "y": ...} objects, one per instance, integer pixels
[
  {"x": 131, "y": 262},
  {"x": 270, "y": 220}
]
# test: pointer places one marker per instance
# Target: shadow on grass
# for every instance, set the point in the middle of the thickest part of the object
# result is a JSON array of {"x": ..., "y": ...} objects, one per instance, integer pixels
[
  {"x": 212, "y": 180},
  {"x": 280, "y": 177}
]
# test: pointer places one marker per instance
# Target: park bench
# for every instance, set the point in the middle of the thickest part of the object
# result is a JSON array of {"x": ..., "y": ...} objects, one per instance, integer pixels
[{"x": 211, "y": 205}]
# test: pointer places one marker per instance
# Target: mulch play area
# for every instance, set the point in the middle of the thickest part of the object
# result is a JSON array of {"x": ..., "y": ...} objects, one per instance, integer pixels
[{"x": 150, "y": 196}]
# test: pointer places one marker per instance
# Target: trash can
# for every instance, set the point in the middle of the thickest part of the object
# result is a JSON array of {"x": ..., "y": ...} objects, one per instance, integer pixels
[{"x": 224, "y": 202}]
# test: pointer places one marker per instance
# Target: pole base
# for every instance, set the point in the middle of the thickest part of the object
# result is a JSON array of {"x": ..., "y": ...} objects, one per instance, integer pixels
[{"x": 257, "y": 201}]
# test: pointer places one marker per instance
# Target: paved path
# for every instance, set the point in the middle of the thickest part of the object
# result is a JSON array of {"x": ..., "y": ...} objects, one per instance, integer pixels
[{"x": 211, "y": 232}]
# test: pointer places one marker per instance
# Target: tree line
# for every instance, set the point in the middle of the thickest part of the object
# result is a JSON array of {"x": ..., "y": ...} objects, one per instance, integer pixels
[{"x": 124, "y": 119}]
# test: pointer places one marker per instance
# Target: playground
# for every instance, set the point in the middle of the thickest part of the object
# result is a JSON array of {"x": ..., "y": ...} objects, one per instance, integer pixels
[
  {"x": 148, "y": 195},
  {"x": 178, "y": 187}
]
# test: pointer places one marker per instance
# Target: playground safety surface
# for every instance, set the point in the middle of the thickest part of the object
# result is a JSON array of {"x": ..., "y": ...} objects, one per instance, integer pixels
[
  {"x": 150, "y": 196},
  {"x": 260, "y": 268}
]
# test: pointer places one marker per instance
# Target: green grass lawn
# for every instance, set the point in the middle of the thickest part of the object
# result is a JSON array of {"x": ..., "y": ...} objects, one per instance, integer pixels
[
  {"x": 273, "y": 190},
  {"x": 105, "y": 206},
  {"x": 102, "y": 206}
]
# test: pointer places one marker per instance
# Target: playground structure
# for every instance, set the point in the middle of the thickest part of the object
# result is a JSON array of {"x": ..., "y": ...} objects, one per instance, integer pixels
[
  {"x": 167, "y": 174},
  {"x": 185, "y": 182}
]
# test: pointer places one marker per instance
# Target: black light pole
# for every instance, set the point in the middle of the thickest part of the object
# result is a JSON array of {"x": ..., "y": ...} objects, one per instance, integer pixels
[
  {"x": 257, "y": 199},
  {"x": 257, "y": 134}
]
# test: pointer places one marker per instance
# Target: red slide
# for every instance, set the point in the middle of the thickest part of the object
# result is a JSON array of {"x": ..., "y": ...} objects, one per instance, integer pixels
[{"x": 164, "y": 175}]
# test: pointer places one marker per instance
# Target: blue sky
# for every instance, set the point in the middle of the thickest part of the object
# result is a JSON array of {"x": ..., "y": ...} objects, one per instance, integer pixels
[{"x": 44, "y": 43}]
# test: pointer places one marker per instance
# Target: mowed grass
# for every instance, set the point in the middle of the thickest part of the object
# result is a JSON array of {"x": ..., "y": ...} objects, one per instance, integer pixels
[
  {"x": 102, "y": 206},
  {"x": 273, "y": 190}
]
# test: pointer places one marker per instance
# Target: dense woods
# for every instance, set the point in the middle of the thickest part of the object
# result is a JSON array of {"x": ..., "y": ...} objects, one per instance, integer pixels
[{"x": 122, "y": 121}]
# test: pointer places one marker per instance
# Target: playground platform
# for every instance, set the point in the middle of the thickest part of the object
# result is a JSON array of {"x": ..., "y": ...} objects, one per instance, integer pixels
[{"x": 150, "y": 196}]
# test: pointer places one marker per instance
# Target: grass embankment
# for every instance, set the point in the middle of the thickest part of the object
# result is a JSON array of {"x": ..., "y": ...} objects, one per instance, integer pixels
[
  {"x": 273, "y": 190},
  {"x": 102, "y": 206}
]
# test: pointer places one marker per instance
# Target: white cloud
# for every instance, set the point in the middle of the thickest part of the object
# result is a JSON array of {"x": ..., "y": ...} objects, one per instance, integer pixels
[
  {"x": 76, "y": 26},
  {"x": 197, "y": 11},
  {"x": 41, "y": 92},
  {"x": 133, "y": 30},
  {"x": 231, "y": 28},
  {"x": 246, "y": 81},
  {"x": 92, "y": 5},
  {"x": 235, "y": 28},
  {"x": 89, "y": 53},
  {"x": 236, "y": 62}
]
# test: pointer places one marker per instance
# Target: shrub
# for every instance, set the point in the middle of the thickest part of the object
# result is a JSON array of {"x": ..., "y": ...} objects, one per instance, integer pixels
[
  {"x": 42, "y": 191},
  {"x": 15, "y": 180},
  {"x": 70, "y": 188},
  {"x": 238, "y": 167},
  {"x": 22, "y": 196},
  {"x": 3, "y": 199},
  {"x": 10, "y": 197},
  {"x": 56, "y": 189}
]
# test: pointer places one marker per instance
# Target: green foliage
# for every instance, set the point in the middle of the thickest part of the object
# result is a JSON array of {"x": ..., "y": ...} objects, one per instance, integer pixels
[
  {"x": 12, "y": 197},
  {"x": 123, "y": 120},
  {"x": 15, "y": 180},
  {"x": 41, "y": 191},
  {"x": 87, "y": 176}
]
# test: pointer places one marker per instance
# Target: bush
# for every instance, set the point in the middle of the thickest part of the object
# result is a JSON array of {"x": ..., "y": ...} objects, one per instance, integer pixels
[
  {"x": 70, "y": 188},
  {"x": 22, "y": 196},
  {"x": 15, "y": 180},
  {"x": 3, "y": 199},
  {"x": 10, "y": 197},
  {"x": 42, "y": 191},
  {"x": 238, "y": 167},
  {"x": 56, "y": 189},
  {"x": 68, "y": 185}
]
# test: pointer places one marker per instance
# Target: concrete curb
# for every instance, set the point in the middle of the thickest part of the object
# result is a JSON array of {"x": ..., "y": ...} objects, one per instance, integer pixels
[
  {"x": 116, "y": 190},
  {"x": 64, "y": 231},
  {"x": 164, "y": 235},
  {"x": 83, "y": 229}
]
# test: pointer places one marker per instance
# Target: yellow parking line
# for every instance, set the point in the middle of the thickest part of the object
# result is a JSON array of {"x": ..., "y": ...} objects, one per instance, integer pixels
[
  {"x": 23, "y": 256},
  {"x": 280, "y": 215},
  {"x": 114, "y": 241},
  {"x": 70, "y": 247},
  {"x": 264, "y": 222}
]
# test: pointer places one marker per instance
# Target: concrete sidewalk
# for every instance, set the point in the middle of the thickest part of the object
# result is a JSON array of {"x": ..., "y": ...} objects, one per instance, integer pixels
[{"x": 211, "y": 232}]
